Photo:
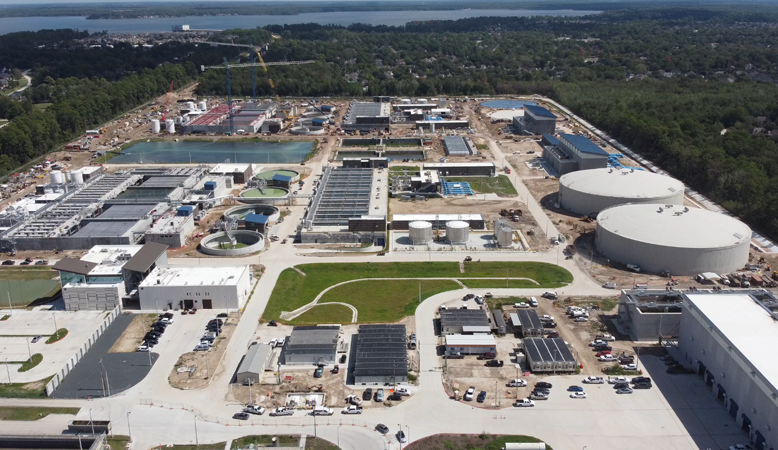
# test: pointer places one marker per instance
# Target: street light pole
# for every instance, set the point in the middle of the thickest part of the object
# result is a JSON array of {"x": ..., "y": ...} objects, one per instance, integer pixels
[
  {"x": 129, "y": 429},
  {"x": 91, "y": 422},
  {"x": 56, "y": 330},
  {"x": 197, "y": 440},
  {"x": 28, "y": 349},
  {"x": 8, "y": 370}
]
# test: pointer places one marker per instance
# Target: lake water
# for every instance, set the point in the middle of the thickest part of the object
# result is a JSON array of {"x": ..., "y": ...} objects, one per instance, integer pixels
[
  {"x": 214, "y": 152},
  {"x": 392, "y": 18}
]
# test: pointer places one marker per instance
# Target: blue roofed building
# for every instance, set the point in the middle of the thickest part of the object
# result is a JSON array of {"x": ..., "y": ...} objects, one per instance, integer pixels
[
  {"x": 281, "y": 180},
  {"x": 256, "y": 222},
  {"x": 573, "y": 152},
  {"x": 536, "y": 120}
]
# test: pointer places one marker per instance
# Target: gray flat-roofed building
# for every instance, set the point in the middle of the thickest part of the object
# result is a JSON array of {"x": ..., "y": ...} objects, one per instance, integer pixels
[
  {"x": 253, "y": 364},
  {"x": 573, "y": 153},
  {"x": 456, "y": 146},
  {"x": 531, "y": 326},
  {"x": 500, "y": 326},
  {"x": 728, "y": 339},
  {"x": 453, "y": 321},
  {"x": 548, "y": 355},
  {"x": 536, "y": 120},
  {"x": 126, "y": 212},
  {"x": 124, "y": 232},
  {"x": 475, "y": 344},
  {"x": 381, "y": 355},
  {"x": 647, "y": 315},
  {"x": 311, "y": 345},
  {"x": 367, "y": 116}
]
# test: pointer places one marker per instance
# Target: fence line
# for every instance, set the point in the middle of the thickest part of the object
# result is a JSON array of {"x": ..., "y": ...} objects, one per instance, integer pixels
[{"x": 52, "y": 385}]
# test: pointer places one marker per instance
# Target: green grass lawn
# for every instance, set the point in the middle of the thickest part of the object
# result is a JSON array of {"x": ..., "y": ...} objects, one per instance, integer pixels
[
  {"x": 41, "y": 106},
  {"x": 32, "y": 413},
  {"x": 58, "y": 336},
  {"x": 27, "y": 284},
  {"x": 33, "y": 389},
  {"x": 388, "y": 301},
  {"x": 117, "y": 442},
  {"x": 498, "y": 303},
  {"x": 31, "y": 363},
  {"x": 469, "y": 442},
  {"x": 264, "y": 440},
  {"x": 499, "y": 185},
  {"x": 294, "y": 290},
  {"x": 324, "y": 314},
  {"x": 3, "y": 121},
  {"x": 494, "y": 284},
  {"x": 404, "y": 168}
]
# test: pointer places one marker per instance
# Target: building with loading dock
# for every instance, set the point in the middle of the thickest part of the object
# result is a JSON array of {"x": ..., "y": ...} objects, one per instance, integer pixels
[
  {"x": 311, "y": 346},
  {"x": 726, "y": 338},
  {"x": 648, "y": 315},
  {"x": 195, "y": 287}
]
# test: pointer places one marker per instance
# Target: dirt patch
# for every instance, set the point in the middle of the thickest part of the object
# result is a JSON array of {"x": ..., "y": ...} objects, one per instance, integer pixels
[
  {"x": 203, "y": 364},
  {"x": 133, "y": 335}
]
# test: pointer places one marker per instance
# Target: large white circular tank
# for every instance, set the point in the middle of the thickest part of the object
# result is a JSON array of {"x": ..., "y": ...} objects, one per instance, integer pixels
[
  {"x": 190, "y": 106},
  {"x": 170, "y": 126},
  {"x": 503, "y": 233},
  {"x": 77, "y": 177},
  {"x": 420, "y": 232},
  {"x": 203, "y": 106},
  {"x": 457, "y": 232},
  {"x": 591, "y": 191},
  {"x": 155, "y": 125},
  {"x": 681, "y": 240},
  {"x": 57, "y": 177}
]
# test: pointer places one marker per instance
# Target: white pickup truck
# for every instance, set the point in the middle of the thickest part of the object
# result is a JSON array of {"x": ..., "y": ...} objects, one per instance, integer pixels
[
  {"x": 524, "y": 403},
  {"x": 352, "y": 409},
  {"x": 281, "y": 411},
  {"x": 322, "y": 411}
]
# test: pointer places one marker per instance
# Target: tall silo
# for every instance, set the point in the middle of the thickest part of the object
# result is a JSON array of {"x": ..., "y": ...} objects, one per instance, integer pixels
[
  {"x": 457, "y": 232},
  {"x": 57, "y": 177},
  {"x": 203, "y": 106},
  {"x": 170, "y": 126},
  {"x": 155, "y": 125},
  {"x": 503, "y": 233},
  {"x": 420, "y": 232}
]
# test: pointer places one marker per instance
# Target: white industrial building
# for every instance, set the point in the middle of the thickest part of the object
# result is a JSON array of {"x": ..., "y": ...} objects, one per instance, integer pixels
[
  {"x": 196, "y": 287},
  {"x": 254, "y": 364},
  {"x": 727, "y": 338},
  {"x": 96, "y": 281},
  {"x": 590, "y": 191},
  {"x": 674, "y": 238},
  {"x": 473, "y": 344},
  {"x": 171, "y": 229}
]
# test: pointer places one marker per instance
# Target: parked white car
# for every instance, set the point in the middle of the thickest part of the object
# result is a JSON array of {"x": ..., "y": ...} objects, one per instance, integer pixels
[
  {"x": 352, "y": 409},
  {"x": 597, "y": 342},
  {"x": 578, "y": 395},
  {"x": 629, "y": 367},
  {"x": 469, "y": 394},
  {"x": 143, "y": 348},
  {"x": 521, "y": 305},
  {"x": 594, "y": 380},
  {"x": 582, "y": 319},
  {"x": 402, "y": 391},
  {"x": 517, "y": 383},
  {"x": 533, "y": 301},
  {"x": 614, "y": 380},
  {"x": 607, "y": 358},
  {"x": 524, "y": 403}
]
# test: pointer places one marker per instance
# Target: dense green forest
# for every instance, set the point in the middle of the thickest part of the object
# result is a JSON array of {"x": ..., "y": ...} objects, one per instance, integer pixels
[{"x": 693, "y": 89}]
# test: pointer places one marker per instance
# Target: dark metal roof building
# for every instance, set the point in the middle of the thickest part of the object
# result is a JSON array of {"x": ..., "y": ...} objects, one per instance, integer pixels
[
  {"x": 381, "y": 355},
  {"x": 549, "y": 355},
  {"x": 146, "y": 256},
  {"x": 530, "y": 323},
  {"x": 312, "y": 345},
  {"x": 452, "y": 321}
]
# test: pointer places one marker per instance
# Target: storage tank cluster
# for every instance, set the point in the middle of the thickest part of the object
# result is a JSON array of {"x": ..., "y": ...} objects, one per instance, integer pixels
[
  {"x": 591, "y": 191},
  {"x": 674, "y": 238},
  {"x": 57, "y": 177},
  {"x": 203, "y": 106},
  {"x": 420, "y": 232},
  {"x": 457, "y": 232},
  {"x": 170, "y": 126},
  {"x": 503, "y": 233}
]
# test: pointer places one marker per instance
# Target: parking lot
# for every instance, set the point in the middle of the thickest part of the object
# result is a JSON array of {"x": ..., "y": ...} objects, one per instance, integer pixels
[{"x": 22, "y": 326}]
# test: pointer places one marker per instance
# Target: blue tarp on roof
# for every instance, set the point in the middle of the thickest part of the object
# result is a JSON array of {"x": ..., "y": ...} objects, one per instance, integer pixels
[
  {"x": 552, "y": 140},
  {"x": 584, "y": 145},
  {"x": 539, "y": 111},
  {"x": 282, "y": 178},
  {"x": 256, "y": 218}
]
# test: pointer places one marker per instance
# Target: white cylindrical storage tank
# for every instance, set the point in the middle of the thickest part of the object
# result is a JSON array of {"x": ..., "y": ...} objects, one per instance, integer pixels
[
  {"x": 57, "y": 177},
  {"x": 170, "y": 126},
  {"x": 155, "y": 125},
  {"x": 457, "y": 232},
  {"x": 591, "y": 191},
  {"x": 420, "y": 232},
  {"x": 203, "y": 106},
  {"x": 77, "y": 177},
  {"x": 190, "y": 106},
  {"x": 681, "y": 240},
  {"x": 503, "y": 233},
  {"x": 179, "y": 120}
]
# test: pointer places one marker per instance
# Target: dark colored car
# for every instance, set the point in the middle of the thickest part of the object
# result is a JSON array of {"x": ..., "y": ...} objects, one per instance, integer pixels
[
  {"x": 221, "y": 315},
  {"x": 620, "y": 385},
  {"x": 318, "y": 372},
  {"x": 9, "y": 262},
  {"x": 395, "y": 397},
  {"x": 272, "y": 323},
  {"x": 487, "y": 355},
  {"x": 343, "y": 358},
  {"x": 368, "y": 394},
  {"x": 381, "y": 254},
  {"x": 494, "y": 363},
  {"x": 381, "y": 428},
  {"x": 541, "y": 392},
  {"x": 642, "y": 385},
  {"x": 241, "y": 416},
  {"x": 28, "y": 260},
  {"x": 36, "y": 339},
  {"x": 543, "y": 385},
  {"x": 601, "y": 347},
  {"x": 554, "y": 334},
  {"x": 481, "y": 397},
  {"x": 639, "y": 379},
  {"x": 549, "y": 324},
  {"x": 25, "y": 263},
  {"x": 575, "y": 389}
]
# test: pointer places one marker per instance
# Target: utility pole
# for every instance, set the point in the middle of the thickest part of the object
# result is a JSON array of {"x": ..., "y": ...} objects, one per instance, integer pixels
[
  {"x": 56, "y": 330},
  {"x": 28, "y": 349},
  {"x": 9, "y": 297},
  {"x": 129, "y": 429},
  {"x": 8, "y": 370},
  {"x": 91, "y": 422},
  {"x": 197, "y": 440}
]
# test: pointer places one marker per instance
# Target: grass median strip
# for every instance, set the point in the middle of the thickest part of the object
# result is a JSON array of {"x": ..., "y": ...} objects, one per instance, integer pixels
[
  {"x": 324, "y": 314},
  {"x": 294, "y": 290},
  {"x": 31, "y": 363},
  {"x": 24, "y": 413},
  {"x": 57, "y": 336}
]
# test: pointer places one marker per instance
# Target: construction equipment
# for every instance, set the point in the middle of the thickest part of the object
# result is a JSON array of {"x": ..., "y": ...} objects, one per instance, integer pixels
[{"x": 167, "y": 104}]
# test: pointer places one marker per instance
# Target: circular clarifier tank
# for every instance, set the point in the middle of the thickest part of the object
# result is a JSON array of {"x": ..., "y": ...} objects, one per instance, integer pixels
[{"x": 233, "y": 243}]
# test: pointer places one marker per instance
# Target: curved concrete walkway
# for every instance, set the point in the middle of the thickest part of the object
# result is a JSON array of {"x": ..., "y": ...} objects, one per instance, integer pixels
[
  {"x": 354, "y": 312},
  {"x": 291, "y": 315}
]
